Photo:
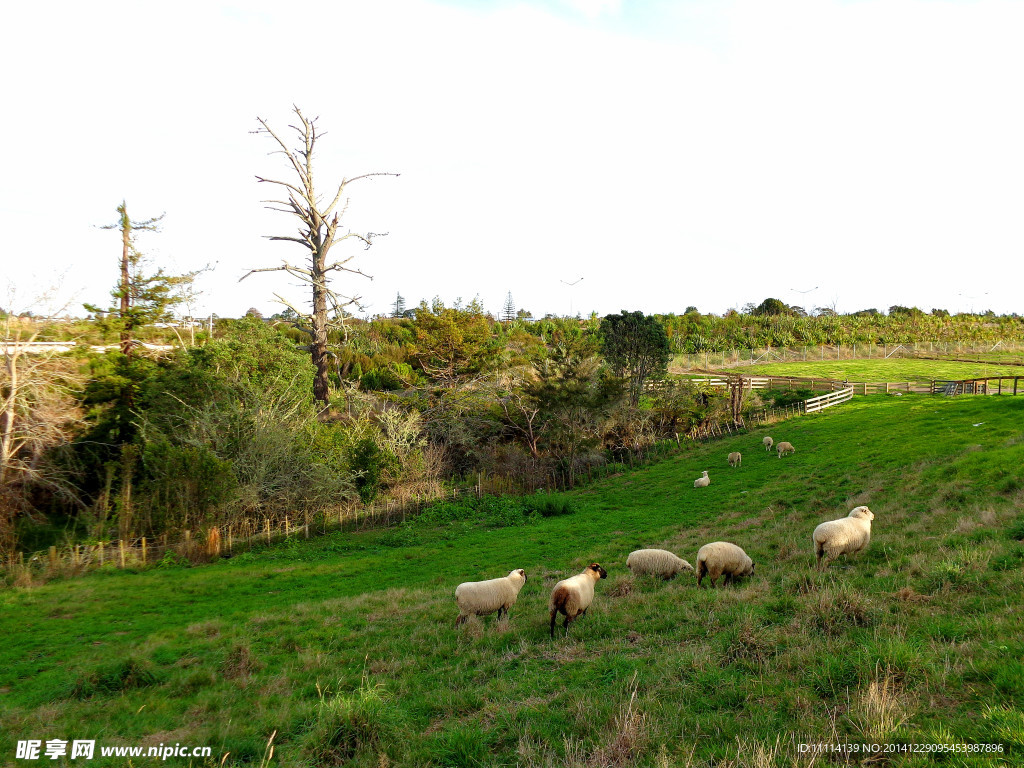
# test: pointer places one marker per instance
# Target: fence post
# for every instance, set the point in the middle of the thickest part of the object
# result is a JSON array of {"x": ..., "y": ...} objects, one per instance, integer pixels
[
  {"x": 120, "y": 549},
  {"x": 145, "y": 557},
  {"x": 267, "y": 521},
  {"x": 53, "y": 558}
]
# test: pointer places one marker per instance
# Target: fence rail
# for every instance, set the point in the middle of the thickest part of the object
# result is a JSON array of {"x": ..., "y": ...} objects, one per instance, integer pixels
[
  {"x": 981, "y": 386},
  {"x": 821, "y": 402}
]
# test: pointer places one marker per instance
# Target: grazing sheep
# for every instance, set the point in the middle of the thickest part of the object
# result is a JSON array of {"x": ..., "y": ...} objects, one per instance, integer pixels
[
  {"x": 735, "y": 459},
  {"x": 484, "y": 597},
  {"x": 571, "y": 597},
  {"x": 702, "y": 482},
  {"x": 784, "y": 448},
  {"x": 722, "y": 558},
  {"x": 657, "y": 562},
  {"x": 768, "y": 443},
  {"x": 844, "y": 536}
]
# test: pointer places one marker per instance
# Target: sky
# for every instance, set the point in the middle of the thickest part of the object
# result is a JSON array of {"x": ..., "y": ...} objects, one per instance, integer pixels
[{"x": 671, "y": 153}]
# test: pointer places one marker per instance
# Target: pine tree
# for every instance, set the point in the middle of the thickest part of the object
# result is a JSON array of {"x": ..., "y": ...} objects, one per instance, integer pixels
[
  {"x": 398, "y": 308},
  {"x": 508, "y": 314}
]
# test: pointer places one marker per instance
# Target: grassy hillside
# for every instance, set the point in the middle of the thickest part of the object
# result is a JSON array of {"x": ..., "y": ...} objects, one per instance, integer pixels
[
  {"x": 344, "y": 646},
  {"x": 893, "y": 369}
]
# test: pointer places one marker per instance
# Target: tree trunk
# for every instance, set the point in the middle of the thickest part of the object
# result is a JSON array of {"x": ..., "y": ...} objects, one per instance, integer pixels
[
  {"x": 318, "y": 348},
  {"x": 8, "y": 416},
  {"x": 126, "y": 232}
]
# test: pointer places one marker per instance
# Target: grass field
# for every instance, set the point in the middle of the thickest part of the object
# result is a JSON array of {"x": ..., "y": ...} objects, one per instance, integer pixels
[
  {"x": 892, "y": 370},
  {"x": 343, "y": 646}
]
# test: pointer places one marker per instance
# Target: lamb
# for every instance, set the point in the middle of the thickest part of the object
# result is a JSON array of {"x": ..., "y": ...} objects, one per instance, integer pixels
[
  {"x": 768, "y": 443},
  {"x": 784, "y": 448},
  {"x": 722, "y": 558},
  {"x": 735, "y": 459},
  {"x": 844, "y": 536},
  {"x": 657, "y": 562},
  {"x": 702, "y": 482},
  {"x": 571, "y": 597},
  {"x": 484, "y": 597}
]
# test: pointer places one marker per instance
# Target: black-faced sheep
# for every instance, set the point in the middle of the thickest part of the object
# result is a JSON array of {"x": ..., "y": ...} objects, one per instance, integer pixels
[
  {"x": 702, "y": 482},
  {"x": 735, "y": 459},
  {"x": 720, "y": 558},
  {"x": 571, "y": 597},
  {"x": 785, "y": 448},
  {"x": 484, "y": 597},
  {"x": 657, "y": 562},
  {"x": 768, "y": 443},
  {"x": 844, "y": 536}
]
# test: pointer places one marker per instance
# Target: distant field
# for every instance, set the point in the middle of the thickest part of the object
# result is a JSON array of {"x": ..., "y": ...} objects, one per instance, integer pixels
[
  {"x": 344, "y": 646},
  {"x": 893, "y": 369}
]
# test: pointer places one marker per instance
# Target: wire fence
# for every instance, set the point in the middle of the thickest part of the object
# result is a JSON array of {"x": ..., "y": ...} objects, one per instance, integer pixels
[{"x": 793, "y": 354}]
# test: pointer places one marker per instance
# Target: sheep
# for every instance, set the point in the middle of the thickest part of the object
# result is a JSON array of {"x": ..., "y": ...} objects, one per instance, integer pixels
[
  {"x": 768, "y": 443},
  {"x": 721, "y": 557},
  {"x": 844, "y": 536},
  {"x": 484, "y": 597},
  {"x": 735, "y": 459},
  {"x": 657, "y": 562},
  {"x": 571, "y": 597},
  {"x": 702, "y": 482},
  {"x": 784, "y": 448}
]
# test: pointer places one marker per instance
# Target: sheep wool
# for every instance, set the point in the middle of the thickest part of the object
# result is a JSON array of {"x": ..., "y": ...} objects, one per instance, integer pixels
[
  {"x": 721, "y": 558},
  {"x": 785, "y": 448},
  {"x": 483, "y": 597},
  {"x": 702, "y": 482},
  {"x": 735, "y": 459},
  {"x": 768, "y": 443},
  {"x": 844, "y": 536},
  {"x": 571, "y": 597},
  {"x": 657, "y": 562}
]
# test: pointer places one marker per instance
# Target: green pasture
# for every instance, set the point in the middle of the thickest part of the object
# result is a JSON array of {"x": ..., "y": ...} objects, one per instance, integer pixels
[
  {"x": 893, "y": 369},
  {"x": 344, "y": 648}
]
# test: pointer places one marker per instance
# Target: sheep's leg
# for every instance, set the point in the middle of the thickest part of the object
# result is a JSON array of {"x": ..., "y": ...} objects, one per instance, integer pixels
[
  {"x": 554, "y": 615},
  {"x": 501, "y": 612},
  {"x": 461, "y": 620}
]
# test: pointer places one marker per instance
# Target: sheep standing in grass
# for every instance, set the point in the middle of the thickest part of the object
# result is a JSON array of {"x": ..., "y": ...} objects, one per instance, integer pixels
[
  {"x": 784, "y": 448},
  {"x": 484, "y": 597},
  {"x": 735, "y": 459},
  {"x": 702, "y": 482},
  {"x": 768, "y": 443},
  {"x": 657, "y": 562},
  {"x": 844, "y": 536},
  {"x": 571, "y": 597},
  {"x": 722, "y": 558}
]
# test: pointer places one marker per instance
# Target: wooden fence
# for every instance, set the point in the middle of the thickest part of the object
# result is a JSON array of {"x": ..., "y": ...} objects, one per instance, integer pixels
[
  {"x": 821, "y": 402},
  {"x": 981, "y": 386}
]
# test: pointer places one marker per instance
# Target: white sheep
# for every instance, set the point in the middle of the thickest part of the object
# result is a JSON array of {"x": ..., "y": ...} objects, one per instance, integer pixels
[
  {"x": 735, "y": 459},
  {"x": 844, "y": 536},
  {"x": 657, "y": 562},
  {"x": 702, "y": 482},
  {"x": 722, "y": 558},
  {"x": 484, "y": 597},
  {"x": 571, "y": 597},
  {"x": 768, "y": 443},
  {"x": 784, "y": 448}
]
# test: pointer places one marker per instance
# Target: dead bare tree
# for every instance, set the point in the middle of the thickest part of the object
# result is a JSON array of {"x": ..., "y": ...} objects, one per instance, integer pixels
[
  {"x": 38, "y": 411},
  {"x": 318, "y": 232}
]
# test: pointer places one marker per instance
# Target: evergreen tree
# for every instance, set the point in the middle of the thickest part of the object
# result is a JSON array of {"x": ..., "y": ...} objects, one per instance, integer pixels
[
  {"x": 508, "y": 314},
  {"x": 140, "y": 298},
  {"x": 398, "y": 308},
  {"x": 637, "y": 348}
]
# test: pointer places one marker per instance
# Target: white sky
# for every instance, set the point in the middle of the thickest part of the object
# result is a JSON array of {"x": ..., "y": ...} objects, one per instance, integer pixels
[{"x": 856, "y": 153}]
